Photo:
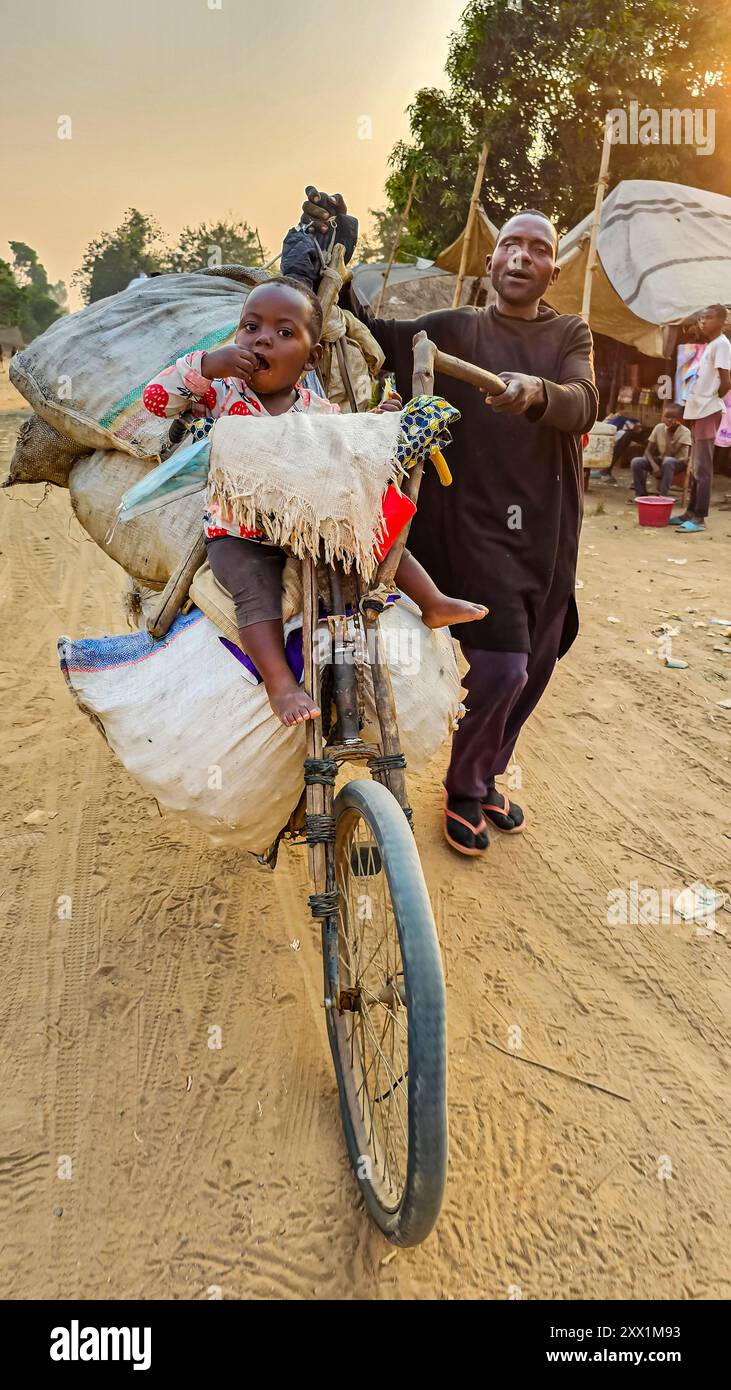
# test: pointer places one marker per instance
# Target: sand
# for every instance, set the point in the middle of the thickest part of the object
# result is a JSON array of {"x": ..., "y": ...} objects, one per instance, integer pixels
[{"x": 199, "y": 1173}]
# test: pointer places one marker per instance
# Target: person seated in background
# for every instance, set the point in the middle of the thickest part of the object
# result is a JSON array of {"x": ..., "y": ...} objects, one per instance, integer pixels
[
  {"x": 621, "y": 422},
  {"x": 629, "y": 441},
  {"x": 667, "y": 452}
]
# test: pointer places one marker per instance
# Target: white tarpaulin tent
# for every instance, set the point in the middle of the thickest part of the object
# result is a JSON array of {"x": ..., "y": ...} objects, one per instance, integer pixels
[{"x": 664, "y": 253}]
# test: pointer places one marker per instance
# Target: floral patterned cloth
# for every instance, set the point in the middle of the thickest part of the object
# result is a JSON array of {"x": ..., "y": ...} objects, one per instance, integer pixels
[
  {"x": 425, "y": 422},
  {"x": 182, "y": 388}
]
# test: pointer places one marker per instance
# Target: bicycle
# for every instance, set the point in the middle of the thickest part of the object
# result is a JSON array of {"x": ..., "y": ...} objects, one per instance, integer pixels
[{"x": 384, "y": 986}]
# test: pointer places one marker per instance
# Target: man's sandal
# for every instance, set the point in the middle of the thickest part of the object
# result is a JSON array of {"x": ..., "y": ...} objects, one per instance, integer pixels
[
  {"x": 505, "y": 815},
  {"x": 474, "y": 831}
]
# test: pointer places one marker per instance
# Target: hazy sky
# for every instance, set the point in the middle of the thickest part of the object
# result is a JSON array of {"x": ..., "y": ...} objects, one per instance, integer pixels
[{"x": 200, "y": 109}]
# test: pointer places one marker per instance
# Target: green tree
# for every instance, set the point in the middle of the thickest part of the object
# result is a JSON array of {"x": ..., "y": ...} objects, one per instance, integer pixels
[
  {"x": 535, "y": 78},
  {"x": 376, "y": 244},
  {"x": 115, "y": 258},
  {"x": 41, "y": 302},
  {"x": 11, "y": 297},
  {"x": 215, "y": 243}
]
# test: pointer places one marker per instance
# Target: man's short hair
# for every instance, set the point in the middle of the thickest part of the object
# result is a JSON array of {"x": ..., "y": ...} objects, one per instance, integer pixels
[
  {"x": 719, "y": 309},
  {"x": 293, "y": 283},
  {"x": 533, "y": 212},
  {"x": 675, "y": 406}
]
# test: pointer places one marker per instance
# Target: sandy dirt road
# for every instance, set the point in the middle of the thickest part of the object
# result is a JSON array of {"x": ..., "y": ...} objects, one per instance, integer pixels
[{"x": 195, "y": 1170}]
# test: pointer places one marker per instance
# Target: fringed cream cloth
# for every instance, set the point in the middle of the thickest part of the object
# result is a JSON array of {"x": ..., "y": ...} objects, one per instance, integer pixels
[{"x": 307, "y": 478}]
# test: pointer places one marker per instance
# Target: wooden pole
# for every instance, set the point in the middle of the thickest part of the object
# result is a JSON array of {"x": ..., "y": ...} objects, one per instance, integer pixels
[
  {"x": 175, "y": 592},
  {"x": 396, "y": 244},
  {"x": 427, "y": 361},
  {"x": 600, "y": 191},
  {"x": 471, "y": 217},
  {"x": 261, "y": 248}
]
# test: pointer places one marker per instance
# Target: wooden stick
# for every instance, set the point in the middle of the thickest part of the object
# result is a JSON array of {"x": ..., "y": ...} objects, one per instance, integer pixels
[
  {"x": 335, "y": 274},
  {"x": 665, "y": 863},
  {"x": 591, "y": 259},
  {"x": 396, "y": 244},
  {"x": 471, "y": 217},
  {"x": 315, "y": 794},
  {"x": 428, "y": 360},
  {"x": 345, "y": 374},
  {"x": 175, "y": 592},
  {"x": 556, "y": 1071},
  {"x": 466, "y": 371},
  {"x": 422, "y": 384}
]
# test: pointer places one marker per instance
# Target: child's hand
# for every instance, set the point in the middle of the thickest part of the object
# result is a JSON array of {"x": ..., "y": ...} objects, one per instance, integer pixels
[
  {"x": 229, "y": 361},
  {"x": 393, "y": 402}
]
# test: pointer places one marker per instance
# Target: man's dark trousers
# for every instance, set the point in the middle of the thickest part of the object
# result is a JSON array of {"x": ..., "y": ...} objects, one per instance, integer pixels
[{"x": 503, "y": 688}]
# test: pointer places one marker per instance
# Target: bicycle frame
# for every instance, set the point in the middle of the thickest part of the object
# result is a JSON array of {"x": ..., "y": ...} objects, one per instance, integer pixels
[{"x": 387, "y": 763}]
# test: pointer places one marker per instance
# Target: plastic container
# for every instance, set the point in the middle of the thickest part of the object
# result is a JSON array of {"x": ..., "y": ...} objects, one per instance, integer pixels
[
  {"x": 397, "y": 510},
  {"x": 598, "y": 450},
  {"x": 654, "y": 511}
]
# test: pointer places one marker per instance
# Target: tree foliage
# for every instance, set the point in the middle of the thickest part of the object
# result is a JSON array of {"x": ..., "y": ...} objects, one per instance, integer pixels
[
  {"x": 536, "y": 78},
  {"x": 27, "y": 300},
  {"x": 11, "y": 296},
  {"x": 115, "y": 258},
  {"x": 215, "y": 243}
]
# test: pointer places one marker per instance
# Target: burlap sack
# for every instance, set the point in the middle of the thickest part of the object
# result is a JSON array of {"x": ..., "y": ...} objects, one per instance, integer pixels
[
  {"x": 85, "y": 375},
  {"x": 148, "y": 548},
  {"x": 42, "y": 455},
  {"x": 178, "y": 711},
  {"x": 363, "y": 359}
]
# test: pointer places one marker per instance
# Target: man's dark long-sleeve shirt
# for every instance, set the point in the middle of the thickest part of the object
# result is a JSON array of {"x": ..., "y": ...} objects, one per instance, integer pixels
[{"x": 506, "y": 532}]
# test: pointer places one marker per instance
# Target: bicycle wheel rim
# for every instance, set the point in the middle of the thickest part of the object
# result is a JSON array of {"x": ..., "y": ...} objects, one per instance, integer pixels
[
  {"x": 404, "y": 1210},
  {"x": 373, "y": 1040}
]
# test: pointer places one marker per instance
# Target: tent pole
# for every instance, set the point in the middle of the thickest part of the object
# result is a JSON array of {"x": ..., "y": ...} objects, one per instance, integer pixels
[
  {"x": 396, "y": 244},
  {"x": 600, "y": 191},
  {"x": 472, "y": 214}
]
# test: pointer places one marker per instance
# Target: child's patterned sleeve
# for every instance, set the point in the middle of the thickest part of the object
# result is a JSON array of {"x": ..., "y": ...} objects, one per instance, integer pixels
[{"x": 181, "y": 387}]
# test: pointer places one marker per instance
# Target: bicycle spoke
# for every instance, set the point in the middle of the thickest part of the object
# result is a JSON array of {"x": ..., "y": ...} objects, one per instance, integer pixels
[{"x": 376, "y": 1032}]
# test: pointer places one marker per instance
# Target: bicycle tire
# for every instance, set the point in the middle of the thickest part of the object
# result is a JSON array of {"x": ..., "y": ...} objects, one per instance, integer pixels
[{"x": 408, "y": 1220}]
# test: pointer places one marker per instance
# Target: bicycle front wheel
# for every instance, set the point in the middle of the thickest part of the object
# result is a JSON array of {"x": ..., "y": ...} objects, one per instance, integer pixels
[{"x": 387, "y": 1025}]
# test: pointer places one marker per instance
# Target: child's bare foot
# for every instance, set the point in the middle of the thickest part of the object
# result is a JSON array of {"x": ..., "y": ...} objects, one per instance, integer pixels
[
  {"x": 291, "y": 704},
  {"x": 443, "y": 611}
]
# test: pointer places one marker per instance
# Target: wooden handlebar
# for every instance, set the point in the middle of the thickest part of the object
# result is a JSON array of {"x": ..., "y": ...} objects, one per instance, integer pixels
[
  {"x": 428, "y": 360},
  {"x": 465, "y": 371}
]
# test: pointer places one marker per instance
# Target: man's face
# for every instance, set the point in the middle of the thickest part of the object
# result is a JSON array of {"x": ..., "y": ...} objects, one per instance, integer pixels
[
  {"x": 711, "y": 324},
  {"x": 523, "y": 263},
  {"x": 275, "y": 326}
]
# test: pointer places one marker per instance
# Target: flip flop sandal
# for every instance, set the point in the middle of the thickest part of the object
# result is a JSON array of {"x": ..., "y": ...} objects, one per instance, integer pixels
[
  {"x": 473, "y": 829},
  {"x": 678, "y": 520},
  {"x": 500, "y": 815},
  {"x": 691, "y": 526}
]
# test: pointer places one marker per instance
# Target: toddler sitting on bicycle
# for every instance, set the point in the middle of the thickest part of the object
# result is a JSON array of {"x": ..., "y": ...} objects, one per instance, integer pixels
[{"x": 277, "y": 341}]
